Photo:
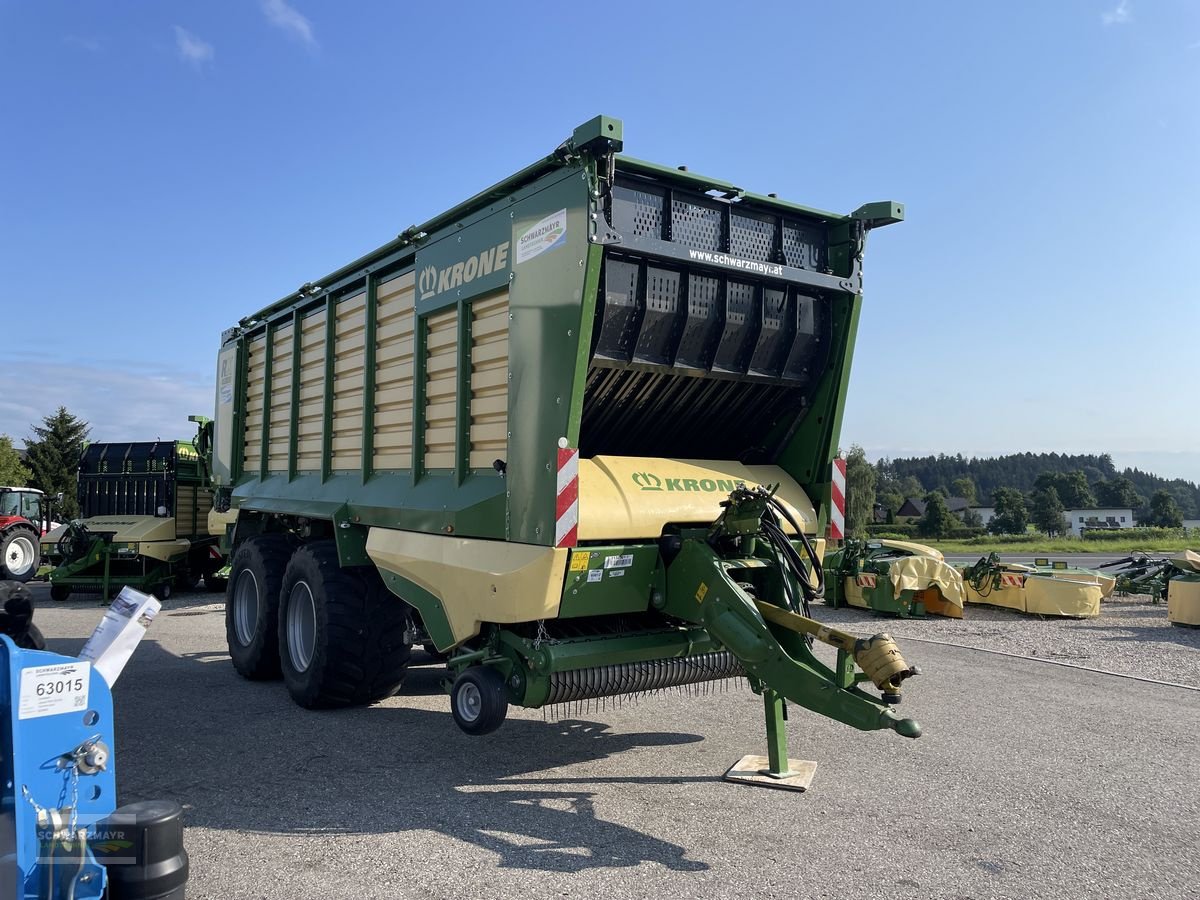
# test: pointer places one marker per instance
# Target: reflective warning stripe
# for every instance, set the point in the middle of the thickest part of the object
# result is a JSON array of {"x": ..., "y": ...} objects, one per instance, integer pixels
[
  {"x": 1012, "y": 579},
  {"x": 865, "y": 580},
  {"x": 566, "y": 508},
  {"x": 837, "y": 497}
]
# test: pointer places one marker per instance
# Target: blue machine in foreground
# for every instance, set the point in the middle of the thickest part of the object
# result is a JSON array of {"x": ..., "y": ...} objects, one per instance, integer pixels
[
  {"x": 61, "y": 834},
  {"x": 56, "y": 772}
]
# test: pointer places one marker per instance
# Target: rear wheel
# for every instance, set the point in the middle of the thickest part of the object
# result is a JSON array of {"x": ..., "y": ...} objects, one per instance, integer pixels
[
  {"x": 479, "y": 700},
  {"x": 59, "y": 592},
  {"x": 341, "y": 632},
  {"x": 19, "y": 554},
  {"x": 252, "y": 605}
]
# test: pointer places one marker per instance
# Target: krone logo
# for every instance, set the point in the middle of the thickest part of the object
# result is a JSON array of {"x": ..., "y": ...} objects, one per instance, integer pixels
[
  {"x": 428, "y": 280},
  {"x": 434, "y": 280},
  {"x": 647, "y": 481}
]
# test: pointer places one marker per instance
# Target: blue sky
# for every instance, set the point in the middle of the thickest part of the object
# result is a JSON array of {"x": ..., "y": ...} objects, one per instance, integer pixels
[{"x": 169, "y": 167}]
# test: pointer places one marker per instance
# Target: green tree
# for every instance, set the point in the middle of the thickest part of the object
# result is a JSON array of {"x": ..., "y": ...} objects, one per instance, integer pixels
[
  {"x": 1164, "y": 511},
  {"x": 860, "y": 492},
  {"x": 937, "y": 521},
  {"x": 54, "y": 456},
  {"x": 1011, "y": 516},
  {"x": 1047, "y": 512},
  {"x": 972, "y": 519},
  {"x": 1118, "y": 494},
  {"x": 964, "y": 487},
  {"x": 13, "y": 473},
  {"x": 1072, "y": 488}
]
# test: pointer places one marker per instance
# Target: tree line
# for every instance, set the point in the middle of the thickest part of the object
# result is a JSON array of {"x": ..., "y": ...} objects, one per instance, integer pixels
[
  {"x": 51, "y": 459},
  {"x": 1039, "y": 489}
]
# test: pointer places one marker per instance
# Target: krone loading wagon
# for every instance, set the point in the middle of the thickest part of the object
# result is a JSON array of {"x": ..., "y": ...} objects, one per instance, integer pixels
[{"x": 576, "y": 433}]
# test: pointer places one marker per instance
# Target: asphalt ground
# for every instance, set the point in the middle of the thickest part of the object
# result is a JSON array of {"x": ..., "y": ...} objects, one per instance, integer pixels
[{"x": 1031, "y": 780}]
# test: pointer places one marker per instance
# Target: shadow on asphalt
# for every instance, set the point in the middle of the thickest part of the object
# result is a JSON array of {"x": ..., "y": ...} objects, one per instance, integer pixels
[{"x": 240, "y": 756}]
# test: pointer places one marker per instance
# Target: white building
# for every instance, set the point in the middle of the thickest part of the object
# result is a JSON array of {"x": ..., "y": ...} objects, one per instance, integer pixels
[{"x": 1079, "y": 519}]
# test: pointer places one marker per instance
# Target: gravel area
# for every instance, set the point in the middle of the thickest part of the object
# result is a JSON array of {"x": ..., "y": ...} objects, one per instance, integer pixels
[
  {"x": 1131, "y": 636},
  {"x": 1030, "y": 781}
]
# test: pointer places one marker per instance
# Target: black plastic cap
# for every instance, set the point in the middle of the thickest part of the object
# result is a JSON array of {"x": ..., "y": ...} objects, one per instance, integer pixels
[{"x": 141, "y": 847}]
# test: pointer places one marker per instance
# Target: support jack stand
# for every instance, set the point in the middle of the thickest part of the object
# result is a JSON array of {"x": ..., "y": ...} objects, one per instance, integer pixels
[{"x": 774, "y": 770}]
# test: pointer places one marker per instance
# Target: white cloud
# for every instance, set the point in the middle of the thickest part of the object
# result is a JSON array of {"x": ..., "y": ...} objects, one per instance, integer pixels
[
  {"x": 289, "y": 20},
  {"x": 190, "y": 48},
  {"x": 120, "y": 401},
  {"x": 1120, "y": 14}
]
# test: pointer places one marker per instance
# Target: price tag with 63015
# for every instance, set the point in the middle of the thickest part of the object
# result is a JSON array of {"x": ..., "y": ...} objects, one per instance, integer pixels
[{"x": 55, "y": 689}]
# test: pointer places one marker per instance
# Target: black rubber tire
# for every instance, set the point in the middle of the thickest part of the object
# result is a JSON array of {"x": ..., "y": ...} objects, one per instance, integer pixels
[
  {"x": 359, "y": 655},
  {"x": 59, "y": 592},
  {"x": 164, "y": 590},
  {"x": 20, "y": 533},
  {"x": 262, "y": 560},
  {"x": 485, "y": 687},
  {"x": 34, "y": 639}
]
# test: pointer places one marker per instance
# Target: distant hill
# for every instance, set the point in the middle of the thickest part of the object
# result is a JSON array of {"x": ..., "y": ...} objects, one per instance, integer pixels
[{"x": 1020, "y": 470}]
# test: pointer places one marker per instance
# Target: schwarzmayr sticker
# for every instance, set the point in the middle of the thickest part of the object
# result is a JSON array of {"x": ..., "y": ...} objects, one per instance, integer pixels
[{"x": 547, "y": 234}]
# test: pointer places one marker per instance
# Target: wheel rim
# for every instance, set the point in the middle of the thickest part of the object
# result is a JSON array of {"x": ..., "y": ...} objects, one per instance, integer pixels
[
  {"x": 301, "y": 626},
  {"x": 19, "y": 558},
  {"x": 469, "y": 701},
  {"x": 245, "y": 607}
]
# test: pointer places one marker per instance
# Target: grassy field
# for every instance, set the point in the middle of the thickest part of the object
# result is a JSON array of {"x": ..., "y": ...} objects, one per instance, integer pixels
[{"x": 1036, "y": 545}]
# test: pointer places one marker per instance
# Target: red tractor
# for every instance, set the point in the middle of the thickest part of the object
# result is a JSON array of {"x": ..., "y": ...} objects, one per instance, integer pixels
[{"x": 24, "y": 514}]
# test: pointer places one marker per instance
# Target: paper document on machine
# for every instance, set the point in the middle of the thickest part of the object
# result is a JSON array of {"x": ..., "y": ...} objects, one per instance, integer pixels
[{"x": 117, "y": 636}]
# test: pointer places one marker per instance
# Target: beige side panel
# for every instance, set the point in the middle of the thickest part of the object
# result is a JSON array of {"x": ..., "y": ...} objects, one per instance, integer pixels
[
  {"x": 133, "y": 529},
  {"x": 350, "y": 357},
  {"x": 281, "y": 400},
  {"x": 310, "y": 418},
  {"x": 256, "y": 374},
  {"x": 477, "y": 581},
  {"x": 489, "y": 381},
  {"x": 441, "y": 388},
  {"x": 394, "y": 343},
  {"x": 1183, "y": 601},
  {"x": 166, "y": 551},
  {"x": 627, "y": 498},
  {"x": 192, "y": 501}
]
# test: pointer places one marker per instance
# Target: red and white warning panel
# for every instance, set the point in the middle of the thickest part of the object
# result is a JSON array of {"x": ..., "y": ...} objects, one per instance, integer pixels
[
  {"x": 865, "y": 580},
  {"x": 1012, "y": 579},
  {"x": 566, "y": 510},
  {"x": 837, "y": 506}
]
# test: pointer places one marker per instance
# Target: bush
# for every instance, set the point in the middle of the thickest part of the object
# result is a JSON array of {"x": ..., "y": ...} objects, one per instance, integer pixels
[
  {"x": 897, "y": 531},
  {"x": 1126, "y": 535}
]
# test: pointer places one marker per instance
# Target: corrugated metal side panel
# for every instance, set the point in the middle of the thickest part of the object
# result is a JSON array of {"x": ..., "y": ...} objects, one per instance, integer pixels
[
  {"x": 394, "y": 333},
  {"x": 489, "y": 381},
  {"x": 441, "y": 388},
  {"x": 281, "y": 400},
  {"x": 310, "y": 417},
  {"x": 349, "y": 360},
  {"x": 256, "y": 374},
  {"x": 191, "y": 511}
]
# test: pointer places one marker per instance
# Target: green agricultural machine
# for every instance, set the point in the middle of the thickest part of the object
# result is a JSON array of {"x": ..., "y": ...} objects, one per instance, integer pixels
[
  {"x": 896, "y": 578},
  {"x": 144, "y": 511},
  {"x": 575, "y": 433}
]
